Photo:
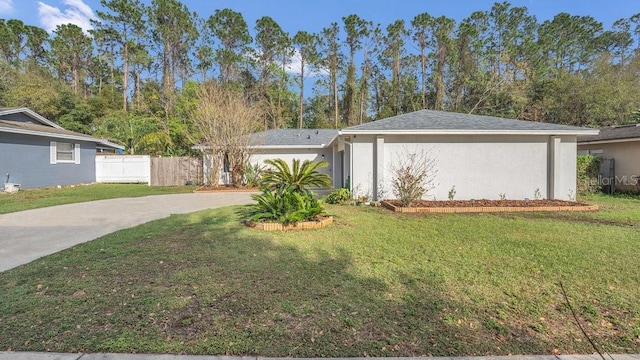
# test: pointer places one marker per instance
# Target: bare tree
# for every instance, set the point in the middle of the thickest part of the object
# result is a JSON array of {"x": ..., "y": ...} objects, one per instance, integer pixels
[
  {"x": 413, "y": 175},
  {"x": 224, "y": 120}
]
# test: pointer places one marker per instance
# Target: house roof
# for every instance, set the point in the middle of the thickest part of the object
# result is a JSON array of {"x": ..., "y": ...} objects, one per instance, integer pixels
[
  {"x": 294, "y": 138},
  {"x": 616, "y": 133},
  {"x": 32, "y": 114},
  {"x": 442, "y": 122},
  {"x": 16, "y": 127}
]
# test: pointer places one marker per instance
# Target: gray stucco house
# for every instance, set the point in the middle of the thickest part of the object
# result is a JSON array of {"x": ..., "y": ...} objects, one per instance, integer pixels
[{"x": 36, "y": 152}]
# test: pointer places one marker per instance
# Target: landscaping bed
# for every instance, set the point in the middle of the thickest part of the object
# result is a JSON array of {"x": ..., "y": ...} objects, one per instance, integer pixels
[
  {"x": 484, "y": 206},
  {"x": 319, "y": 223}
]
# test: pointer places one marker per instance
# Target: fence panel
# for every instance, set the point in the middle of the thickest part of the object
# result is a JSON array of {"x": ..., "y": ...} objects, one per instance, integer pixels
[
  {"x": 122, "y": 168},
  {"x": 173, "y": 171}
]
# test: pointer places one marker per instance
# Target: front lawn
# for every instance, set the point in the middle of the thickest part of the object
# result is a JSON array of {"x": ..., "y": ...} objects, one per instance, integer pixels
[
  {"x": 376, "y": 283},
  {"x": 37, "y": 198}
]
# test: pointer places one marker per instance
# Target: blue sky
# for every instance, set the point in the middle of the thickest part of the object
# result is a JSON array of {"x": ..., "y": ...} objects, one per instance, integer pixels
[{"x": 294, "y": 15}]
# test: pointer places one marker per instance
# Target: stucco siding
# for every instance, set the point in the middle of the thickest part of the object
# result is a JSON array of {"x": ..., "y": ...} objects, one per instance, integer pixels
[
  {"x": 627, "y": 162},
  {"x": 27, "y": 161},
  {"x": 479, "y": 166},
  {"x": 568, "y": 167},
  {"x": 362, "y": 167},
  {"x": 289, "y": 154}
]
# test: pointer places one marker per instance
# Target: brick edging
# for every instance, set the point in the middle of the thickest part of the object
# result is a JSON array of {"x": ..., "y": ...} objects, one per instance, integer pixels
[
  {"x": 303, "y": 225},
  {"x": 487, "y": 209}
]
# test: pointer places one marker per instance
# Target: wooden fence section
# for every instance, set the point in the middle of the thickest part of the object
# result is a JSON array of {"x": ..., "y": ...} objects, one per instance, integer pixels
[{"x": 173, "y": 171}]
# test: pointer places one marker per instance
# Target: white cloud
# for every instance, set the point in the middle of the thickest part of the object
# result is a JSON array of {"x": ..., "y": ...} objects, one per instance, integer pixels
[
  {"x": 76, "y": 12},
  {"x": 294, "y": 67},
  {"x": 6, "y": 6}
]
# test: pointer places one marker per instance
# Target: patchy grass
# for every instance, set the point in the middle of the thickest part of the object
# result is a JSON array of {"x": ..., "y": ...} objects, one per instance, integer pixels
[
  {"x": 37, "y": 198},
  {"x": 375, "y": 284}
]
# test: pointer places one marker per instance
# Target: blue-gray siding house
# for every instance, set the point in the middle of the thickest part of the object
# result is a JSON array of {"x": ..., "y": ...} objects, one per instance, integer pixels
[{"x": 36, "y": 152}]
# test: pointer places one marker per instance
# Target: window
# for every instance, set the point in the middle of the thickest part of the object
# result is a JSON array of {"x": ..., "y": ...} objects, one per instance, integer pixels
[{"x": 62, "y": 152}]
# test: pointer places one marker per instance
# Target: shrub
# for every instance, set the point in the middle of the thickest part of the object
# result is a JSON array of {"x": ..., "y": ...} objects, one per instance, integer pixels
[
  {"x": 339, "y": 196},
  {"x": 413, "y": 177},
  {"x": 285, "y": 205},
  {"x": 252, "y": 174},
  {"x": 286, "y": 197},
  {"x": 588, "y": 168},
  {"x": 297, "y": 178}
]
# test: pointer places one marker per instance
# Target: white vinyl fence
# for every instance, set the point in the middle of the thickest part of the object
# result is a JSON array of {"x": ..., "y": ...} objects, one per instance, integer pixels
[{"x": 123, "y": 169}]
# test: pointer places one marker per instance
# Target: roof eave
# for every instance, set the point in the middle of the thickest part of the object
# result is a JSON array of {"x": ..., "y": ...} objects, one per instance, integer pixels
[
  {"x": 578, "y": 132},
  {"x": 607, "y": 141},
  {"x": 32, "y": 114},
  {"x": 62, "y": 136}
]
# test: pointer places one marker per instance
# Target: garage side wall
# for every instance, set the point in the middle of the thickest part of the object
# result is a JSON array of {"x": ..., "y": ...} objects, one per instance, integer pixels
[{"x": 479, "y": 166}]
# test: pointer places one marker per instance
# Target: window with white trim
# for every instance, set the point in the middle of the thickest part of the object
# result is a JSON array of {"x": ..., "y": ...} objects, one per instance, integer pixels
[{"x": 63, "y": 152}]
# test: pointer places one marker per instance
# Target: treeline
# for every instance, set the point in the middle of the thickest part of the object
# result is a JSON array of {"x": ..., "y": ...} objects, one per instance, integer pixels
[{"x": 134, "y": 78}]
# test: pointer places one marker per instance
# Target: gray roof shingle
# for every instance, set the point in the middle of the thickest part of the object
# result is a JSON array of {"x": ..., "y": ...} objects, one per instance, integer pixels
[
  {"x": 426, "y": 120},
  {"x": 613, "y": 133},
  {"x": 294, "y": 137}
]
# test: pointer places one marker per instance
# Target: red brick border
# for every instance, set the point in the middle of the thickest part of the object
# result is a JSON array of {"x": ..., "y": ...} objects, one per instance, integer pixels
[
  {"x": 487, "y": 209},
  {"x": 304, "y": 225}
]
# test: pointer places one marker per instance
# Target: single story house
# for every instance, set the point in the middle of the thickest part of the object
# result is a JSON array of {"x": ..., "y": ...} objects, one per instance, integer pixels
[
  {"x": 36, "y": 152},
  {"x": 619, "y": 146},
  {"x": 481, "y": 157}
]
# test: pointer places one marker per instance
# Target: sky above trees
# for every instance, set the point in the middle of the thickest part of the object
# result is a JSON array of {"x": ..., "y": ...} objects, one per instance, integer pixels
[
  {"x": 131, "y": 70},
  {"x": 312, "y": 16}
]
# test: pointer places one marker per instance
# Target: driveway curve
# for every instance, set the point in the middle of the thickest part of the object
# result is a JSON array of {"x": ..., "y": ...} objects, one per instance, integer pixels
[{"x": 29, "y": 235}]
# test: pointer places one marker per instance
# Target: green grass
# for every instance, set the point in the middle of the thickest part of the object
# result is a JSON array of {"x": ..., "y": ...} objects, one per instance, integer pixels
[
  {"x": 37, "y": 198},
  {"x": 375, "y": 283}
]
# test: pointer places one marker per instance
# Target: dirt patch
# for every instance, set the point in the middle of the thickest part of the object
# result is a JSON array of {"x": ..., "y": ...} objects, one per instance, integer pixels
[{"x": 486, "y": 203}]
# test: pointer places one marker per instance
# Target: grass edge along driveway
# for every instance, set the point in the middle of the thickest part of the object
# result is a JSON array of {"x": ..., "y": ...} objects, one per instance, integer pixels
[{"x": 37, "y": 198}]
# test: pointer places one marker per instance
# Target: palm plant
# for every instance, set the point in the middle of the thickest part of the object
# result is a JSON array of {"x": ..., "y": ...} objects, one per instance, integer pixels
[{"x": 297, "y": 178}]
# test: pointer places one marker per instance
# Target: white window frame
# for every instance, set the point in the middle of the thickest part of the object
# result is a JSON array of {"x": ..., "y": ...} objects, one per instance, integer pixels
[{"x": 53, "y": 153}]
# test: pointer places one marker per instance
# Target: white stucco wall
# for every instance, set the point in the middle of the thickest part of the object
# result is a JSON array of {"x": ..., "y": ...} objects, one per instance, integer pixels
[
  {"x": 479, "y": 166},
  {"x": 289, "y": 154},
  {"x": 568, "y": 167}
]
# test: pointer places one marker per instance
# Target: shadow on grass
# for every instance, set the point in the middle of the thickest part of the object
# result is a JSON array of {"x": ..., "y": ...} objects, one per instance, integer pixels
[{"x": 204, "y": 284}]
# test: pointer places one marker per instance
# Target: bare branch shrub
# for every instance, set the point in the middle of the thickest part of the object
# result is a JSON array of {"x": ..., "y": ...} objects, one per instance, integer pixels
[
  {"x": 413, "y": 175},
  {"x": 224, "y": 120}
]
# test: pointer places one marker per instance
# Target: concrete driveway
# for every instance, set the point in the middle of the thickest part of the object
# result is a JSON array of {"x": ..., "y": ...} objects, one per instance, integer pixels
[{"x": 29, "y": 235}]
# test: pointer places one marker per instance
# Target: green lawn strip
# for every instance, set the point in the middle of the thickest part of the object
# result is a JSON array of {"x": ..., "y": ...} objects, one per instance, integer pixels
[
  {"x": 376, "y": 283},
  {"x": 37, "y": 198}
]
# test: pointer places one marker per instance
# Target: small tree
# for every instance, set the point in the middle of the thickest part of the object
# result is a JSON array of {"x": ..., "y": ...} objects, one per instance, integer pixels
[
  {"x": 224, "y": 120},
  {"x": 413, "y": 176}
]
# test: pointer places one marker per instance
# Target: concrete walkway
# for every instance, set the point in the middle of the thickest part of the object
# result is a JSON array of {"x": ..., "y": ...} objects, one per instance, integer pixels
[
  {"x": 54, "y": 356},
  {"x": 29, "y": 235}
]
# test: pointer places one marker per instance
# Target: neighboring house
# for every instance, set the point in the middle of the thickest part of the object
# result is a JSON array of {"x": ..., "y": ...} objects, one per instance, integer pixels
[
  {"x": 483, "y": 157},
  {"x": 619, "y": 146},
  {"x": 36, "y": 152}
]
